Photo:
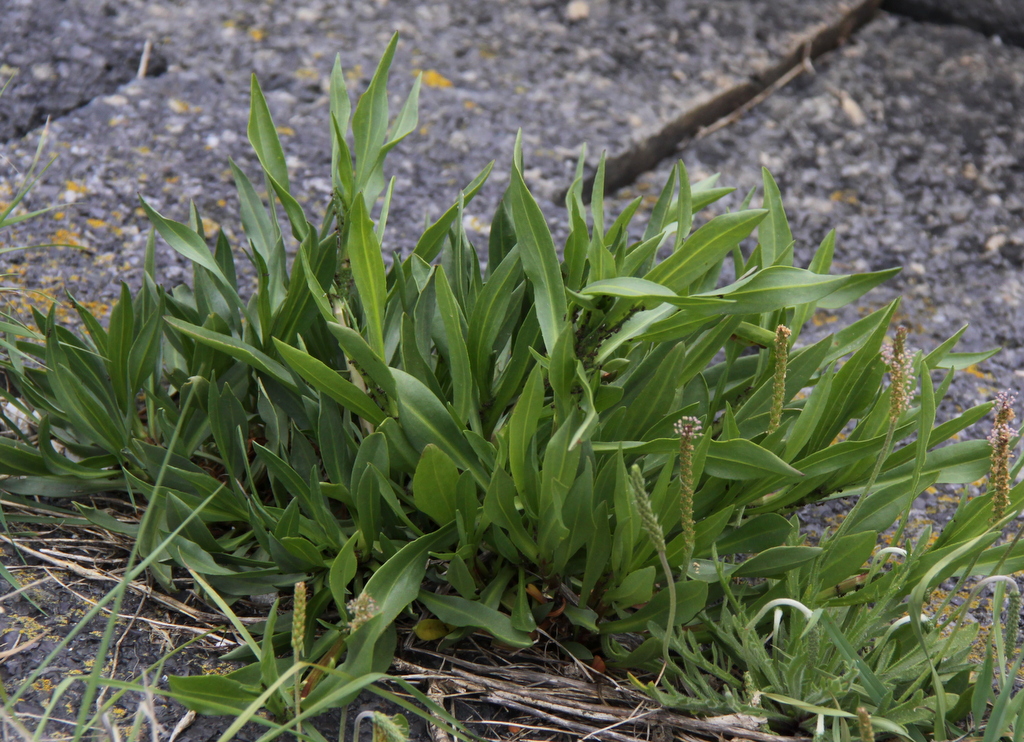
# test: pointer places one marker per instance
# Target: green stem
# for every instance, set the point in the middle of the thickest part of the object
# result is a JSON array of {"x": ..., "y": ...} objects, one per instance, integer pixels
[
  {"x": 871, "y": 481},
  {"x": 671, "y": 625}
]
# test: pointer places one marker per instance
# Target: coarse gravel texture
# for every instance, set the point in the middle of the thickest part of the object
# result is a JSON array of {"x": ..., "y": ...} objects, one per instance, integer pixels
[
  {"x": 490, "y": 69},
  {"x": 919, "y": 172},
  {"x": 59, "y": 56},
  {"x": 907, "y": 142}
]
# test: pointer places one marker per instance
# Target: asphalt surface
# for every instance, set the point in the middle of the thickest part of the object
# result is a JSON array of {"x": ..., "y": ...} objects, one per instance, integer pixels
[{"x": 907, "y": 139}]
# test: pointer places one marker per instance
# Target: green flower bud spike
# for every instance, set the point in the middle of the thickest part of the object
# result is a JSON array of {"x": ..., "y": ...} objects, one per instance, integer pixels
[
  {"x": 298, "y": 642},
  {"x": 689, "y": 429},
  {"x": 782, "y": 334},
  {"x": 867, "y": 733},
  {"x": 649, "y": 521}
]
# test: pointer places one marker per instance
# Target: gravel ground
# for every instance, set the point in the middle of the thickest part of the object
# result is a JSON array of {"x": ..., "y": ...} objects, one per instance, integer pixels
[
  {"x": 925, "y": 173},
  {"x": 907, "y": 141},
  {"x": 606, "y": 79}
]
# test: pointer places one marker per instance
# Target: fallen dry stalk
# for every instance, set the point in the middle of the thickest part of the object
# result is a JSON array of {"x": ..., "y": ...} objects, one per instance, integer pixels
[{"x": 569, "y": 703}]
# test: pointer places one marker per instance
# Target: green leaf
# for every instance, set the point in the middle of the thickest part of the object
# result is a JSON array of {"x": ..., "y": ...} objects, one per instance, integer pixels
[
  {"x": 743, "y": 459},
  {"x": 537, "y": 251},
  {"x": 636, "y": 587},
  {"x": 368, "y": 271},
  {"x": 263, "y": 136},
  {"x": 704, "y": 248},
  {"x": 458, "y": 611},
  {"x": 187, "y": 243},
  {"x": 392, "y": 587},
  {"x": 433, "y": 485},
  {"x": 370, "y": 120},
  {"x": 145, "y": 353},
  {"x": 432, "y": 240},
  {"x": 119, "y": 338},
  {"x": 215, "y": 695},
  {"x": 845, "y": 556},
  {"x": 366, "y": 359},
  {"x": 653, "y": 294},
  {"x": 521, "y": 428},
  {"x": 500, "y": 508},
  {"x": 691, "y": 597},
  {"x": 427, "y": 421},
  {"x": 343, "y": 569},
  {"x": 773, "y": 233},
  {"x": 685, "y": 205},
  {"x": 755, "y": 535},
  {"x": 858, "y": 285},
  {"x": 325, "y": 379},
  {"x": 236, "y": 348},
  {"x": 777, "y": 561},
  {"x": 261, "y": 232},
  {"x": 782, "y": 286},
  {"x": 489, "y": 314},
  {"x": 458, "y": 355}
]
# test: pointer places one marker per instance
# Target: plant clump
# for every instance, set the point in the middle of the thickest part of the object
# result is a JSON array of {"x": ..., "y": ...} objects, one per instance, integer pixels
[{"x": 589, "y": 443}]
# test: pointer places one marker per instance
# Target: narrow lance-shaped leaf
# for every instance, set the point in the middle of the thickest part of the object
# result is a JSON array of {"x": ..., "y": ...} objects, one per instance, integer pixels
[
  {"x": 774, "y": 233},
  {"x": 368, "y": 272},
  {"x": 331, "y": 383},
  {"x": 265, "y": 141},
  {"x": 370, "y": 120},
  {"x": 537, "y": 252},
  {"x": 458, "y": 355},
  {"x": 705, "y": 248},
  {"x": 187, "y": 243},
  {"x": 427, "y": 421}
]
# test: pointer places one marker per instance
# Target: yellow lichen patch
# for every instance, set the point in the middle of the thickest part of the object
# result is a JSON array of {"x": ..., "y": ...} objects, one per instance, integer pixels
[
  {"x": 58, "y": 215},
  {"x": 43, "y": 685},
  {"x": 355, "y": 74},
  {"x": 821, "y": 317},
  {"x": 469, "y": 104},
  {"x": 75, "y": 187},
  {"x": 218, "y": 667},
  {"x": 286, "y": 131},
  {"x": 96, "y": 223},
  {"x": 257, "y": 34},
  {"x": 434, "y": 79},
  {"x": 845, "y": 196},
  {"x": 973, "y": 370},
  {"x": 210, "y": 226},
  {"x": 307, "y": 73},
  {"x": 66, "y": 237},
  {"x": 27, "y": 627},
  {"x": 179, "y": 106}
]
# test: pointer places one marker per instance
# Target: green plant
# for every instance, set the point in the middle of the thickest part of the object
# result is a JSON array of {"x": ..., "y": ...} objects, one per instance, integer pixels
[{"x": 463, "y": 436}]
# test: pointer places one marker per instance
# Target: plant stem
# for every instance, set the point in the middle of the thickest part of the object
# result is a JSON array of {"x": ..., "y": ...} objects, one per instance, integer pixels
[
  {"x": 671, "y": 624},
  {"x": 890, "y": 433}
]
